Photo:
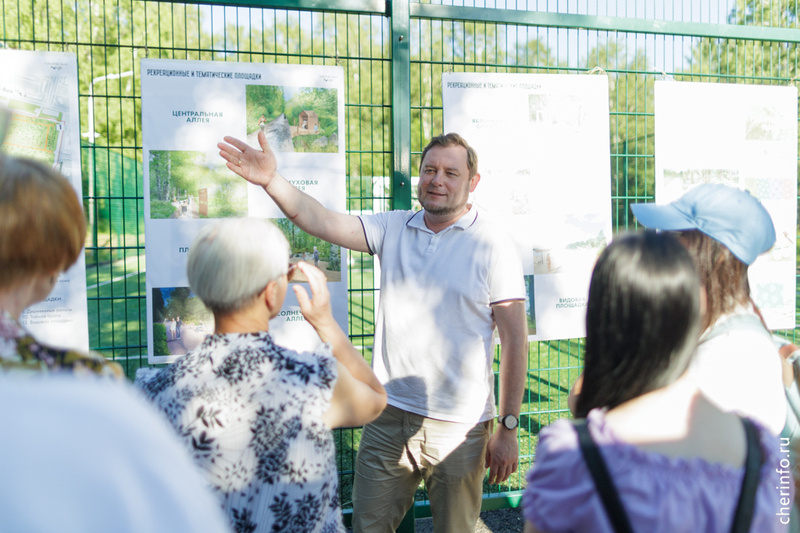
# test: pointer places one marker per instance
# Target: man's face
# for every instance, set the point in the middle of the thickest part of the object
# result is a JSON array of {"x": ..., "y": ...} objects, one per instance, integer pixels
[{"x": 444, "y": 182}]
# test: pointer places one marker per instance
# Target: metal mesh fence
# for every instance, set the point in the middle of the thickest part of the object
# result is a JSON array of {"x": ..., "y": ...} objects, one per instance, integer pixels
[{"x": 635, "y": 43}]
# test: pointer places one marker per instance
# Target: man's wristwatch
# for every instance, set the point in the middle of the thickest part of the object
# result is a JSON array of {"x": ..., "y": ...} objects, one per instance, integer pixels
[{"x": 509, "y": 421}]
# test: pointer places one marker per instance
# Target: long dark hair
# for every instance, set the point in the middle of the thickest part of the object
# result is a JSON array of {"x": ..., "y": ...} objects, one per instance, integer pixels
[{"x": 642, "y": 319}]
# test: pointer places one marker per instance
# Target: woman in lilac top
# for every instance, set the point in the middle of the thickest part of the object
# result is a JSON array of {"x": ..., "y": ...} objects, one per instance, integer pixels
[{"x": 676, "y": 460}]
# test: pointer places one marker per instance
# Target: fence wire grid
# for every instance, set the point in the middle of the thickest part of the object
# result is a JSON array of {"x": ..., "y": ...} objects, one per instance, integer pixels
[{"x": 393, "y": 55}]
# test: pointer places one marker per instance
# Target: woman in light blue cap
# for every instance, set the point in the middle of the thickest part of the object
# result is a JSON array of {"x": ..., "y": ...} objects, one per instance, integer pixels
[
  {"x": 674, "y": 461},
  {"x": 736, "y": 364}
]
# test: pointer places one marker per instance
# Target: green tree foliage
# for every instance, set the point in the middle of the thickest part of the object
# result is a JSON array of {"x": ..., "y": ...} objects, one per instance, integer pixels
[
  {"x": 775, "y": 13},
  {"x": 267, "y": 100},
  {"x": 368, "y": 91},
  {"x": 160, "y": 171},
  {"x": 631, "y": 123},
  {"x": 731, "y": 61},
  {"x": 334, "y": 258},
  {"x": 325, "y": 134},
  {"x": 160, "y": 339},
  {"x": 184, "y": 304},
  {"x": 301, "y": 242},
  {"x": 169, "y": 179},
  {"x": 451, "y": 46},
  {"x": 530, "y": 304},
  {"x": 176, "y": 175},
  {"x": 121, "y": 34},
  {"x": 320, "y": 101},
  {"x": 109, "y": 39},
  {"x": 158, "y": 306},
  {"x": 533, "y": 55},
  {"x": 759, "y": 62}
]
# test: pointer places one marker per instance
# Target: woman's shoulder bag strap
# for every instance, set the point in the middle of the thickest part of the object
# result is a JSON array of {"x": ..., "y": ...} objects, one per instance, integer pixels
[
  {"x": 602, "y": 479},
  {"x": 610, "y": 497},
  {"x": 747, "y": 497}
]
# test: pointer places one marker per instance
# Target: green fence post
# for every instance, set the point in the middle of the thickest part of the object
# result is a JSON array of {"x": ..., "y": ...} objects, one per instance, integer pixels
[
  {"x": 400, "y": 21},
  {"x": 407, "y": 524}
]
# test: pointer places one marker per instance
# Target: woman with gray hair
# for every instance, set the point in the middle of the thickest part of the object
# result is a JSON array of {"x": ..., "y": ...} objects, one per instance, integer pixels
[{"x": 256, "y": 416}]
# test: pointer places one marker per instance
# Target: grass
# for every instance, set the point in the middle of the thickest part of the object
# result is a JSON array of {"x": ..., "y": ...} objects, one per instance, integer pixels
[
  {"x": 553, "y": 366},
  {"x": 161, "y": 209},
  {"x": 117, "y": 311}
]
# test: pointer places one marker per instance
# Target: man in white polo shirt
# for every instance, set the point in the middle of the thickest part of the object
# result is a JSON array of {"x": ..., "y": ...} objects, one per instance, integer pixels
[{"x": 448, "y": 277}]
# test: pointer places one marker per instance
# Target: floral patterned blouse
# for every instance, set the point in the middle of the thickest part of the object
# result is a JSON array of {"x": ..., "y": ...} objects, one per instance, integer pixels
[
  {"x": 251, "y": 414},
  {"x": 20, "y": 351}
]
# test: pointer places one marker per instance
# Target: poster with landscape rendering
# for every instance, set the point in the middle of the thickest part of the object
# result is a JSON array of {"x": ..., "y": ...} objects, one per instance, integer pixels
[
  {"x": 743, "y": 136},
  {"x": 41, "y": 91},
  {"x": 526, "y": 129},
  {"x": 187, "y": 108}
]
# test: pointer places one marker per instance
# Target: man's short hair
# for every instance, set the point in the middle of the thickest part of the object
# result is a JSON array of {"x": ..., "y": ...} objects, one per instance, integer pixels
[
  {"x": 42, "y": 229},
  {"x": 453, "y": 139},
  {"x": 231, "y": 262}
]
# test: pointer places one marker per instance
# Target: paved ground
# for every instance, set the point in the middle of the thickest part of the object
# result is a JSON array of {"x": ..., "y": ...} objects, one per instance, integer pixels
[
  {"x": 331, "y": 275},
  {"x": 500, "y": 521},
  {"x": 190, "y": 339}
]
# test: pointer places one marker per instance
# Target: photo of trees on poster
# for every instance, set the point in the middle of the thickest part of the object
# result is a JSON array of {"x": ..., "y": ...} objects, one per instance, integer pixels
[
  {"x": 530, "y": 304},
  {"x": 303, "y": 247},
  {"x": 191, "y": 185},
  {"x": 295, "y": 119},
  {"x": 180, "y": 321}
]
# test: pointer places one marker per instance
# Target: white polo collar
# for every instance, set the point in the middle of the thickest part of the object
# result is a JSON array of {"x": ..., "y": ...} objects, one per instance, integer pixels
[{"x": 417, "y": 220}]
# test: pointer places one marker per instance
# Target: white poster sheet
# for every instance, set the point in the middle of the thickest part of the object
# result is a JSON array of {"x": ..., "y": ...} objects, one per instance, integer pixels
[
  {"x": 41, "y": 91},
  {"x": 744, "y": 136},
  {"x": 527, "y": 130},
  {"x": 187, "y": 108}
]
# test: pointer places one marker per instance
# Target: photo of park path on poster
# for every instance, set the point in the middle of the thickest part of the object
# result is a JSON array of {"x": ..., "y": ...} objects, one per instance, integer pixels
[
  {"x": 187, "y": 108},
  {"x": 526, "y": 129},
  {"x": 41, "y": 91},
  {"x": 744, "y": 136}
]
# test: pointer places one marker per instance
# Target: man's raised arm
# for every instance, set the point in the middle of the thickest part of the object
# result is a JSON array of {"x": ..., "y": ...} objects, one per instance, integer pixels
[{"x": 260, "y": 167}]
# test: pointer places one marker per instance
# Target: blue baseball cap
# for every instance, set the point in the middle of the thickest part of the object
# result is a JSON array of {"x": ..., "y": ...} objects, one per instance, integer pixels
[{"x": 728, "y": 215}]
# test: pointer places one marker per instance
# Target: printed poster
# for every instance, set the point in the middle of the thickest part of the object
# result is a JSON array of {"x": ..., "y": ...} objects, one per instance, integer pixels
[
  {"x": 187, "y": 108},
  {"x": 744, "y": 136},
  {"x": 527, "y": 129},
  {"x": 41, "y": 91}
]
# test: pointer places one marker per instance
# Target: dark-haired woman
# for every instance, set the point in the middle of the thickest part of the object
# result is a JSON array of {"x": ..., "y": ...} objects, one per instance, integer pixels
[{"x": 676, "y": 461}]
